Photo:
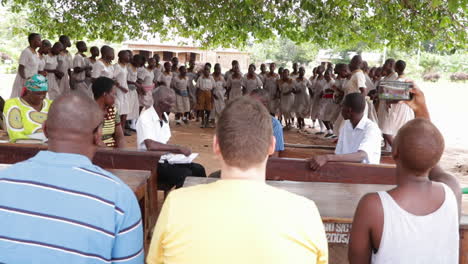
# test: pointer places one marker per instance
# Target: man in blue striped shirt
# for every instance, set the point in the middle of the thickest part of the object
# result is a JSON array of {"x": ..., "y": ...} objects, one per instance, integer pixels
[
  {"x": 58, "y": 207},
  {"x": 264, "y": 97}
]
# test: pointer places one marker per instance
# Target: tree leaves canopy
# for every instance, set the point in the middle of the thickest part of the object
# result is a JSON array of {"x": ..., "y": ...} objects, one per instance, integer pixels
[{"x": 233, "y": 23}]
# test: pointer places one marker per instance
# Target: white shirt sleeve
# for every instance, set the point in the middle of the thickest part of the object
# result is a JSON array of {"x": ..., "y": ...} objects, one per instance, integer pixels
[
  {"x": 97, "y": 69},
  {"x": 339, "y": 145},
  {"x": 361, "y": 80},
  {"x": 145, "y": 131},
  {"x": 25, "y": 57},
  {"x": 259, "y": 82},
  {"x": 78, "y": 62},
  {"x": 371, "y": 144}
]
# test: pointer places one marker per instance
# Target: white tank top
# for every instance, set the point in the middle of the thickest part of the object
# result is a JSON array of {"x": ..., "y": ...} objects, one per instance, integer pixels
[{"x": 408, "y": 238}]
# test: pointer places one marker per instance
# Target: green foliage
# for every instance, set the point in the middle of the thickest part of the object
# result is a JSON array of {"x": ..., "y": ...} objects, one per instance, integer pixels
[
  {"x": 343, "y": 23},
  {"x": 282, "y": 51},
  {"x": 430, "y": 63}
]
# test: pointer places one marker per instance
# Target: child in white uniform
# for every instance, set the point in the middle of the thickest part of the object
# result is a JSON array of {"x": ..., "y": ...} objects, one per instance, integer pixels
[
  {"x": 302, "y": 98},
  {"x": 28, "y": 64}
]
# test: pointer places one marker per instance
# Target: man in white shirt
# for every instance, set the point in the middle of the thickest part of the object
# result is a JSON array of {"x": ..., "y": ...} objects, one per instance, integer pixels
[
  {"x": 153, "y": 133},
  {"x": 360, "y": 139}
]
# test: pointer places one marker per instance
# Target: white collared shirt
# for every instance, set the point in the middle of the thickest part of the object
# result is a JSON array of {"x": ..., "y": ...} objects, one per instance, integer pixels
[
  {"x": 150, "y": 126},
  {"x": 365, "y": 137}
]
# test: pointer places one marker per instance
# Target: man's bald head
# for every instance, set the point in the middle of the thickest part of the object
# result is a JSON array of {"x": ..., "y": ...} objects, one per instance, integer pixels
[
  {"x": 164, "y": 98},
  {"x": 73, "y": 116},
  {"x": 418, "y": 146}
]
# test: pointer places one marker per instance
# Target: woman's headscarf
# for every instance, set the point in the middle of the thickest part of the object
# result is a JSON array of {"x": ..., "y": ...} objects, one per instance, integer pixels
[{"x": 37, "y": 83}]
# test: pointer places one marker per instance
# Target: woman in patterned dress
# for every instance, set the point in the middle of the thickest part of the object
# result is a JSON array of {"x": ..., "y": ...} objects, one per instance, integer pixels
[
  {"x": 25, "y": 115},
  {"x": 104, "y": 94}
]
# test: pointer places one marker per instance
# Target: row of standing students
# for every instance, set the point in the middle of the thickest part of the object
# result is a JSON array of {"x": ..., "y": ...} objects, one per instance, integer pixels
[{"x": 203, "y": 94}]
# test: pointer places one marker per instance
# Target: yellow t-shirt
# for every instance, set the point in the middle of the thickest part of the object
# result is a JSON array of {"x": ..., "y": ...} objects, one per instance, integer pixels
[{"x": 238, "y": 221}]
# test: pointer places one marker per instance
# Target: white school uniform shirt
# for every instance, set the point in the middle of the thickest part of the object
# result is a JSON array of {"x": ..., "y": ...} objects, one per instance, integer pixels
[
  {"x": 30, "y": 61},
  {"x": 358, "y": 79},
  {"x": 150, "y": 126},
  {"x": 100, "y": 69},
  {"x": 120, "y": 73},
  {"x": 366, "y": 136},
  {"x": 206, "y": 83},
  {"x": 81, "y": 62},
  {"x": 41, "y": 64}
]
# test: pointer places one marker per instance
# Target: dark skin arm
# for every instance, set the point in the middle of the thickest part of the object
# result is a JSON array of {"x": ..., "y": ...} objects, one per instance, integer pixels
[
  {"x": 21, "y": 71},
  {"x": 119, "y": 136},
  {"x": 318, "y": 161},
  {"x": 366, "y": 230},
  {"x": 437, "y": 174},
  {"x": 156, "y": 146},
  {"x": 79, "y": 69}
]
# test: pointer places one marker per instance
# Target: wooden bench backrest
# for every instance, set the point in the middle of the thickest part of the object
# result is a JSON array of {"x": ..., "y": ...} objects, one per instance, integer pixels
[{"x": 299, "y": 170}]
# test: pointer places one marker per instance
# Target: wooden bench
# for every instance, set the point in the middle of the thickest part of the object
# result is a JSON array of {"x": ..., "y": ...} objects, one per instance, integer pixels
[
  {"x": 299, "y": 170},
  {"x": 337, "y": 203},
  {"x": 108, "y": 159},
  {"x": 301, "y": 151}
]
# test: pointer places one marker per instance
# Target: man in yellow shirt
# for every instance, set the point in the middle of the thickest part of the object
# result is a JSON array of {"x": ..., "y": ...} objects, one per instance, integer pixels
[{"x": 239, "y": 218}]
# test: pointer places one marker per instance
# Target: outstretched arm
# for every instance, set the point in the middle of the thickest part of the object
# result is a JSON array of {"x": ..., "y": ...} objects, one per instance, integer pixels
[
  {"x": 320, "y": 160},
  {"x": 156, "y": 146}
]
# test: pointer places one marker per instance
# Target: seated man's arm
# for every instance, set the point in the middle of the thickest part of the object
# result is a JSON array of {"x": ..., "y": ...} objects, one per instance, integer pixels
[
  {"x": 146, "y": 134},
  {"x": 367, "y": 218},
  {"x": 157, "y": 146},
  {"x": 128, "y": 242},
  {"x": 320, "y": 160},
  {"x": 369, "y": 144},
  {"x": 437, "y": 174}
]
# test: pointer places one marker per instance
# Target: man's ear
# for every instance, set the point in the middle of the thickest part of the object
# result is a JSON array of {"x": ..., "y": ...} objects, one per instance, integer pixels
[
  {"x": 272, "y": 147},
  {"x": 44, "y": 129},
  {"x": 216, "y": 148}
]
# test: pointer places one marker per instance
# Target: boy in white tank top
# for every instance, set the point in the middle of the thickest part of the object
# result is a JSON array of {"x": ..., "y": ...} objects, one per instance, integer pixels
[{"x": 418, "y": 221}]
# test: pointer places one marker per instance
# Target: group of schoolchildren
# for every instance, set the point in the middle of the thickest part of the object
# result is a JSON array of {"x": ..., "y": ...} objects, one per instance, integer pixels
[{"x": 201, "y": 93}]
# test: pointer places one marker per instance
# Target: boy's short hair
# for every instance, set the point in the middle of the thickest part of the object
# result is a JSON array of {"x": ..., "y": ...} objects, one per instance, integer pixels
[
  {"x": 400, "y": 66},
  {"x": 244, "y": 133},
  {"x": 420, "y": 146}
]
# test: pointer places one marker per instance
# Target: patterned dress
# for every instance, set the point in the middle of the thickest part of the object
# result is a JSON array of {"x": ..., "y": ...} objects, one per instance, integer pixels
[
  {"x": 111, "y": 119},
  {"x": 22, "y": 120}
]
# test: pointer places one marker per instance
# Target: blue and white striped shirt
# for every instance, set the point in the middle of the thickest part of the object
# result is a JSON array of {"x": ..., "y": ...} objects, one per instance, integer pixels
[
  {"x": 278, "y": 134},
  {"x": 60, "y": 208}
]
